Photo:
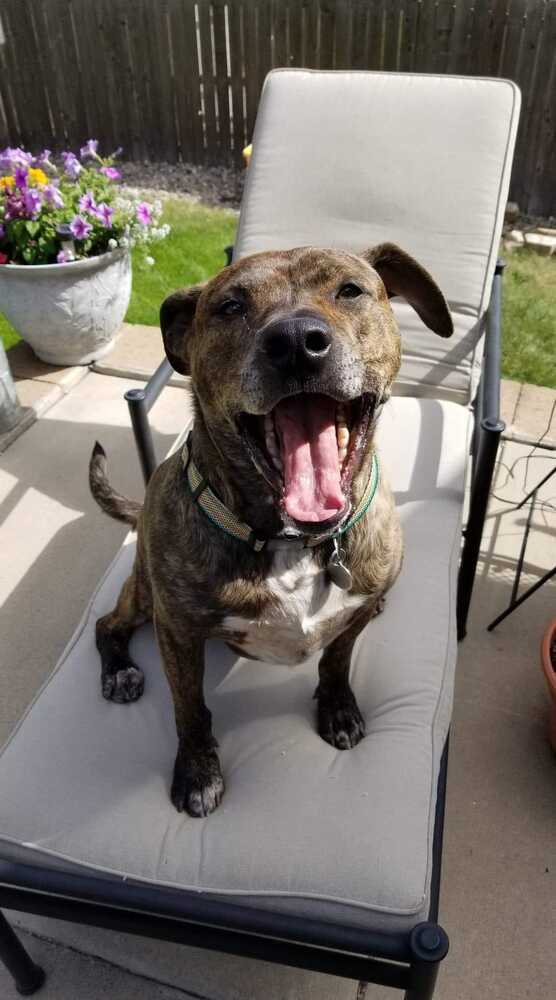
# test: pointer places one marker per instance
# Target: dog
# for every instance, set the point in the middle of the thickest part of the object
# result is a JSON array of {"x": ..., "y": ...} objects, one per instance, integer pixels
[{"x": 273, "y": 529}]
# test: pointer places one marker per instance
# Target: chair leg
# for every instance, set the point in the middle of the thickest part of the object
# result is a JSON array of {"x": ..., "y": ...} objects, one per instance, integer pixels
[
  {"x": 425, "y": 974},
  {"x": 429, "y": 945},
  {"x": 480, "y": 491},
  {"x": 28, "y": 977}
]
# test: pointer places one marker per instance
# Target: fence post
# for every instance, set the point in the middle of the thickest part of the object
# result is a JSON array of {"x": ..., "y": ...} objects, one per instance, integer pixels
[{"x": 10, "y": 410}]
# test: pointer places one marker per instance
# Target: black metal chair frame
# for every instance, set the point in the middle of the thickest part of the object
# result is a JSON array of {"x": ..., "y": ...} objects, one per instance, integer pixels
[{"x": 405, "y": 961}]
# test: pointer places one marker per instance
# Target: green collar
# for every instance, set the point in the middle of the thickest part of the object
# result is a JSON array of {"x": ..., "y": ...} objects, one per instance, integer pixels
[{"x": 223, "y": 518}]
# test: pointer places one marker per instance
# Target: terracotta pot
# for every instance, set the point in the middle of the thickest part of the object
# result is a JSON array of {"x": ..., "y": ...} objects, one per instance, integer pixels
[{"x": 550, "y": 677}]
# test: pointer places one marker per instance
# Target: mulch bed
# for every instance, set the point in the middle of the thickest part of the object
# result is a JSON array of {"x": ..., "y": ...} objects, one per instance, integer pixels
[{"x": 220, "y": 186}]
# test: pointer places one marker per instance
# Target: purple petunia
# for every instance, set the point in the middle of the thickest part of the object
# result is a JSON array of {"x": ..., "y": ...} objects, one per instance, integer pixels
[
  {"x": 43, "y": 160},
  {"x": 33, "y": 203},
  {"x": 2, "y": 232},
  {"x": 15, "y": 209},
  {"x": 64, "y": 257},
  {"x": 89, "y": 149},
  {"x": 53, "y": 196},
  {"x": 87, "y": 202},
  {"x": 72, "y": 165},
  {"x": 111, "y": 173},
  {"x": 144, "y": 213},
  {"x": 80, "y": 228},
  {"x": 21, "y": 176},
  {"x": 10, "y": 159},
  {"x": 104, "y": 213}
]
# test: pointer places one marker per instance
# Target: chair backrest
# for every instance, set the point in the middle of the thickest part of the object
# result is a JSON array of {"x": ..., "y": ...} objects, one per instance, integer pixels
[{"x": 350, "y": 159}]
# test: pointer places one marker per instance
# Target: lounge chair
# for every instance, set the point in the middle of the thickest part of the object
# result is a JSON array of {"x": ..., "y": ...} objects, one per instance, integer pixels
[{"x": 316, "y": 859}]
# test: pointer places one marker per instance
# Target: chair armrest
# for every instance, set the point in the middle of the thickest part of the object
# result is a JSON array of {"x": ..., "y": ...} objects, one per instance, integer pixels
[
  {"x": 492, "y": 357},
  {"x": 140, "y": 402},
  {"x": 486, "y": 435}
]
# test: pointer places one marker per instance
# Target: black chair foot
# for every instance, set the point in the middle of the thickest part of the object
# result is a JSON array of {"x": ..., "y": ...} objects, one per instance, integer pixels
[
  {"x": 37, "y": 980},
  {"x": 429, "y": 945},
  {"x": 32, "y": 987},
  {"x": 27, "y": 976}
]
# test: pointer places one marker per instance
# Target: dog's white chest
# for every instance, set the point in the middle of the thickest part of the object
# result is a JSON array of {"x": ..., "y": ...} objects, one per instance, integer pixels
[{"x": 309, "y": 612}]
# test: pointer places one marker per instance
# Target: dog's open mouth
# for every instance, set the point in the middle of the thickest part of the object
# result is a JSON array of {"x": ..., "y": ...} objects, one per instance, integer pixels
[{"x": 308, "y": 448}]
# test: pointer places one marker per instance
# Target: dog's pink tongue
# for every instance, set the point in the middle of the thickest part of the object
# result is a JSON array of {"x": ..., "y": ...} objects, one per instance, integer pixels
[{"x": 306, "y": 427}]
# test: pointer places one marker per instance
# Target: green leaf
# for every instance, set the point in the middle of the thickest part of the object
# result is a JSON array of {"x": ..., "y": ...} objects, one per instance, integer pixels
[
  {"x": 46, "y": 251},
  {"x": 32, "y": 228},
  {"x": 18, "y": 229}
]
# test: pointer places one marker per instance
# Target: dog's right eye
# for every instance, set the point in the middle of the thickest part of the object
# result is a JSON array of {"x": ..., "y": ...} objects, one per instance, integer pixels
[
  {"x": 349, "y": 291},
  {"x": 231, "y": 307}
]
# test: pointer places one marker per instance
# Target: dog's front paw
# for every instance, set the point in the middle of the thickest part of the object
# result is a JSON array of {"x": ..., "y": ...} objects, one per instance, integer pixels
[
  {"x": 123, "y": 685},
  {"x": 198, "y": 785},
  {"x": 340, "y": 722}
]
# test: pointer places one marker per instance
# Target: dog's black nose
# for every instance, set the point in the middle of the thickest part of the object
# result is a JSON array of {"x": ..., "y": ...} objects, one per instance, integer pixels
[{"x": 297, "y": 343}]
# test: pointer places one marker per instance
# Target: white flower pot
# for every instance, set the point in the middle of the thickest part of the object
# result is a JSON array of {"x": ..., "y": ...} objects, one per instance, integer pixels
[{"x": 68, "y": 313}]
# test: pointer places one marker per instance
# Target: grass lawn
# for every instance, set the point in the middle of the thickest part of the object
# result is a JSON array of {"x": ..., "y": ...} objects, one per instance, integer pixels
[
  {"x": 195, "y": 250},
  {"x": 529, "y": 318},
  {"x": 7, "y": 333}
]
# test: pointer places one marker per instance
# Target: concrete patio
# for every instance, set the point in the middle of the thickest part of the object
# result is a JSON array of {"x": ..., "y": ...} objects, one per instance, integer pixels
[{"x": 499, "y": 887}]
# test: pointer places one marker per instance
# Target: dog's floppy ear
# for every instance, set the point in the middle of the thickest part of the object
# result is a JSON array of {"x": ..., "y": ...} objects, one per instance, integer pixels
[
  {"x": 402, "y": 275},
  {"x": 177, "y": 313}
]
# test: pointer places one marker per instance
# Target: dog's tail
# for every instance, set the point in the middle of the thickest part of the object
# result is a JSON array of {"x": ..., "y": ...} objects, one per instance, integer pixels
[{"x": 112, "y": 503}]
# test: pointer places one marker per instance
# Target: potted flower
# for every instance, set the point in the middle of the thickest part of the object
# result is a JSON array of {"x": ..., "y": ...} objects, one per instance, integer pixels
[
  {"x": 66, "y": 230},
  {"x": 548, "y": 660}
]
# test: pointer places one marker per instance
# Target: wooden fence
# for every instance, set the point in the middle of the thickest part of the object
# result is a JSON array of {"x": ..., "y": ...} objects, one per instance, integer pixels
[{"x": 180, "y": 80}]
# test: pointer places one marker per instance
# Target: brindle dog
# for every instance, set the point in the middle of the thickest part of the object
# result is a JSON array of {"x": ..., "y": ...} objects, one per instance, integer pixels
[{"x": 290, "y": 356}]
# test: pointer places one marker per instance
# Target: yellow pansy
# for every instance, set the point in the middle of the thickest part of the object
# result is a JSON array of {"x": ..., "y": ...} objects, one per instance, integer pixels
[
  {"x": 38, "y": 176},
  {"x": 7, "y": 182}
]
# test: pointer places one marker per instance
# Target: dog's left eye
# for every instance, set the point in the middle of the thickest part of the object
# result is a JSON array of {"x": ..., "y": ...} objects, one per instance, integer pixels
[
  {"x": 231, "y": 307},
  {"x": 349, "y": 291}
]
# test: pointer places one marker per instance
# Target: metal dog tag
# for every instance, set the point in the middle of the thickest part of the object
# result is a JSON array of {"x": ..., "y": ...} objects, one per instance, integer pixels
[{"x": 337, "y": 570}]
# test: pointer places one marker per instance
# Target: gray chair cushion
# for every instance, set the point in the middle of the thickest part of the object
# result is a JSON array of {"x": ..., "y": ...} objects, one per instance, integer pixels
[
  {"x": 350, "y": 159},
  {"x": 434, "y": 367},
  {"x": 303, "y": 828}
]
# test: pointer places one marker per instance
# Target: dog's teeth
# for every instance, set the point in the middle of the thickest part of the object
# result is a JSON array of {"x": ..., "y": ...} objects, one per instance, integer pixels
[
  {"x": 274, "y": 453},
  {"x": 342, "y": 453},
  {"x": 272, "y": 442},
  {"x": 342, "y": 435}
]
